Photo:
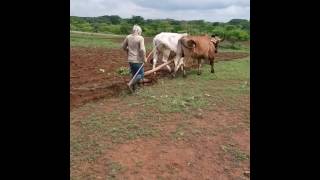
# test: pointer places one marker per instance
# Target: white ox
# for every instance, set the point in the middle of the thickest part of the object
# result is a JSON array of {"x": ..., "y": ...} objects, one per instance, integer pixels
[{"x": 163, "y": 44}]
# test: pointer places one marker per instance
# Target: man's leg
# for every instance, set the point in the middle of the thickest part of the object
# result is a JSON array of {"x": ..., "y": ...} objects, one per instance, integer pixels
[
  {"x": 138, "y": 78},
  {"x": 140, "y": 75},
  {"x": 133, "y": 72}
]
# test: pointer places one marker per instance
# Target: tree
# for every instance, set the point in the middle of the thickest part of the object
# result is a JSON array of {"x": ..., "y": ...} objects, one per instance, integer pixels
[
  {"x": 215, "y": 24},
  {"x": 165, "y": 26},
  {"x": 125, "y": 28},
  {"x": 115, "y": 19},
  {"x": 237, "y": 35},
  {"x": 103, "y": 27},
  {"x": 136, "y": 20},
  {"x": 230, "y": 27},
  {"x": 219, "y": 31},
  {"x": 235, "y": 30},
  {"x": 95, "y": 26},
  {"x": 73, "y": 27},
  {"x": 86, "y": 27}
]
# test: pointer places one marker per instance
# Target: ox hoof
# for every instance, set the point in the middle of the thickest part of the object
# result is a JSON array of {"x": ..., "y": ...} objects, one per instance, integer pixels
[
  {"x": 184, "y": 74},
  {"x": 212, "y": 71},
  {"x": 199, "y": 73}
]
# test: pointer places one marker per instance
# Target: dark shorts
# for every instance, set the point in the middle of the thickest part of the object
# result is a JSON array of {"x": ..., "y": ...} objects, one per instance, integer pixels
[{"x": 134, "y": 67}]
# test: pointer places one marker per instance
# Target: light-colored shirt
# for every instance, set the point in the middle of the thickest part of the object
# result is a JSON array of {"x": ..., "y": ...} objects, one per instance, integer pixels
[{"x": 134, "y": 45}]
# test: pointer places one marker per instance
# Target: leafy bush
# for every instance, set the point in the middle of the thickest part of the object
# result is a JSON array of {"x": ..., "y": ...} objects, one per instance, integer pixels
[{"x": 123, "y": 71}]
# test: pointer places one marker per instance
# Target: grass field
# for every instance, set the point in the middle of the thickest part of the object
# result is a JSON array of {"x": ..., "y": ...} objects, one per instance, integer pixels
[
  {"x": 183, "y": 128},
  {"x": 93, "y": 40},
  {"x": 80, "y": 39}
]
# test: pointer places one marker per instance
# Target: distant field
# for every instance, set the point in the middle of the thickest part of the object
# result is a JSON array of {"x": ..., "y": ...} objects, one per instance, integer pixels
[
  {"x": 83, "y": 39},
  {"x": 100, "y": 40}
]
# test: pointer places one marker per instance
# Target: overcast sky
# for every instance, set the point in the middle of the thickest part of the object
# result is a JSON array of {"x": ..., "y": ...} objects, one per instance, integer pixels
[{"x": 208, "y": 10}]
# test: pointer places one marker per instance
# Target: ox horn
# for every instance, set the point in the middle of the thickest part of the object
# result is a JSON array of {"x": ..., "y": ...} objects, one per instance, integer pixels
[{"x": 224, "y": 37}]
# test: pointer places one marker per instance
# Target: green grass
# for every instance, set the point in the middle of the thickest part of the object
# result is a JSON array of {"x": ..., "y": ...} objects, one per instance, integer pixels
[
  {"x": 82, "y": 146},
  {"x": 93, "y": 134},
  {"x": 85, "y": 40},
  {"x": 169, "y": 101},
  {"x": 91, "y": 40},
  {"x": 227, "y": 46},
  {"x": 114, "y": 168},
  {"x": 96, "y": 34},
  {"x": 230, "y": 80},
  {"x": 118, "y": 128},
  {"x": 236, "y": 153},
  {"x": 232, "y": 70},
  {"x": 123, "y": 71}
]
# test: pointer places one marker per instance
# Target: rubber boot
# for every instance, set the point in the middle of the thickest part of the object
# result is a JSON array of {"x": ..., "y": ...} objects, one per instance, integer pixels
[{"x": 133, "y": 86}]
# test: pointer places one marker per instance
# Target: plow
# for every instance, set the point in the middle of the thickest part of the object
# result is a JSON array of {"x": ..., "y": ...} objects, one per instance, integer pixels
[{"x": 150, "y": 71}]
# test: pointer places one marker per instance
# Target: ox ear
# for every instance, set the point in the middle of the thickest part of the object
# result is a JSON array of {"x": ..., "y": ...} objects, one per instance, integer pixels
[
  {"x": 191, "y": 43},
  {"x": 188, "y": 43}
]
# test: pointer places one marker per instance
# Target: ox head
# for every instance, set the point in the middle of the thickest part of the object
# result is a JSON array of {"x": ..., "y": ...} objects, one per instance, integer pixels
[{"x": 216, "y": 40}]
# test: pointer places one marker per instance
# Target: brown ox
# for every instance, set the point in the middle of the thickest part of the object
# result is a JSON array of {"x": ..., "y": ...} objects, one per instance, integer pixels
[{"x": 198, "y": 48}]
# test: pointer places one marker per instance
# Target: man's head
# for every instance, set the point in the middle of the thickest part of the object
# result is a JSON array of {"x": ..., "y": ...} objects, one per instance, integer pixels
[{"x": 136, "y": 30}]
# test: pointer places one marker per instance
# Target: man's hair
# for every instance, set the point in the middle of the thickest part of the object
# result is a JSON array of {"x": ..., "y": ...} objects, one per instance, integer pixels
[{"x": 136, "y": 30}]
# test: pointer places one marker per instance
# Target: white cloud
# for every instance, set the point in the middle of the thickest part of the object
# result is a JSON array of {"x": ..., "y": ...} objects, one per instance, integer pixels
[
  {"x": 209, "y": 10},
  {"x": 191, "y": 4}
]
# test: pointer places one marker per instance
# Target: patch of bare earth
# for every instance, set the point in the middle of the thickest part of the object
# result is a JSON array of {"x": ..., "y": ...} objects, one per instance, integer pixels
[
  {"x": 212, "y": 145},
  {"x": 93, "y": 73}
]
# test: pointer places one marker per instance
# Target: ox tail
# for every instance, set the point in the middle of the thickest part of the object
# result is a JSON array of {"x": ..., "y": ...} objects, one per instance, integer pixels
[{"x": 154, "y": 51}]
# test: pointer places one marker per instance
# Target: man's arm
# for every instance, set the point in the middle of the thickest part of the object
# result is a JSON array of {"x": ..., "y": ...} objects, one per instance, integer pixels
[
  {"x": 143, "y": 49},
  {"x": 125, "y": 45}
]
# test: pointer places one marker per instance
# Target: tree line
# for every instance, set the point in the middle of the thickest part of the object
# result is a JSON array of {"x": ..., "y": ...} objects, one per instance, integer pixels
[{"x": 234, "y": 30}]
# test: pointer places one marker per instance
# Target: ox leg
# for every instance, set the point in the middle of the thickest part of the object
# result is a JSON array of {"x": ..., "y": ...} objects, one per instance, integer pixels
[
  {"x": 199, "y": 66},
  {"x": 212, "y": 68},
  {"x": 155, "y": 59},
  {"x": 175, "y": 66},
  {"x": 182, "y": 67},
  {"x": 183, "y": 70},
  {"x": 165, "y": 58},
  {"x": 178, "y": 61}
]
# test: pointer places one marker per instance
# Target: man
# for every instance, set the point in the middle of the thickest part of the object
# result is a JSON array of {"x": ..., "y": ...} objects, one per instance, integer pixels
[{"x": 134, "y": 45}]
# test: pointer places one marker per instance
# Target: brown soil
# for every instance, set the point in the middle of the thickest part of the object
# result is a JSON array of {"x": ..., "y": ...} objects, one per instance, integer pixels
[{"x": 88, "y": 82}]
